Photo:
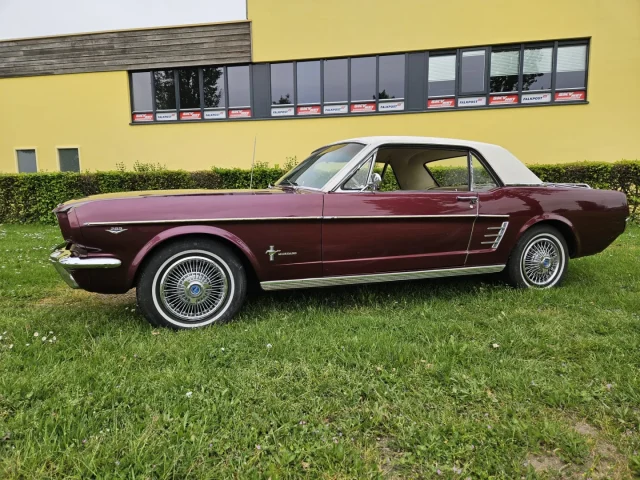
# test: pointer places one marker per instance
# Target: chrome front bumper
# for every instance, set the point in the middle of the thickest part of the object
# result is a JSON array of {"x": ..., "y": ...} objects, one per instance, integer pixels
[{"x": 63, "y": 262}]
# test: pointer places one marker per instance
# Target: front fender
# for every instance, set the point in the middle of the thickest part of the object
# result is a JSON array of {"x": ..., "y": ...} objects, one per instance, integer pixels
[{"x": 191, "y": 230}]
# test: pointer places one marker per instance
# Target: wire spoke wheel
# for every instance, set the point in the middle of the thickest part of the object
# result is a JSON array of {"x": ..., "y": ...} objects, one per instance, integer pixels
[
  {"x": 193, "y": 287},
  {"x": 542, "y": 261}
]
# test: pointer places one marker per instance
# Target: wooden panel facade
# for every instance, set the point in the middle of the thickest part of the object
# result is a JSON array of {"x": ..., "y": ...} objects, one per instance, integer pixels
[{"x": 222, "y": 44}]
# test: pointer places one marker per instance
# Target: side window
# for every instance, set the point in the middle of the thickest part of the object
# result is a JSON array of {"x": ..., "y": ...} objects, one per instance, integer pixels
[
  {"x": 482, "y": 179},
  {"x": 360, "y": 178},
  {"x": 449, "y": 174}
]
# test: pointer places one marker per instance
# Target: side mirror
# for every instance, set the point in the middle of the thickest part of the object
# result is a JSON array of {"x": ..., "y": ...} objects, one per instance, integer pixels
[{"x": 374, "y": 183}]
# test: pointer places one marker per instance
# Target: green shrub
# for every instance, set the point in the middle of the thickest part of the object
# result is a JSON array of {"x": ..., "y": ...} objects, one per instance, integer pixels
[{"x": 29, "y": 198}]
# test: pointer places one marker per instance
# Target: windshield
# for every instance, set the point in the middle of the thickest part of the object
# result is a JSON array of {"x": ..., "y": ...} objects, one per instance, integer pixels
[{"x": 321, "y": 166}]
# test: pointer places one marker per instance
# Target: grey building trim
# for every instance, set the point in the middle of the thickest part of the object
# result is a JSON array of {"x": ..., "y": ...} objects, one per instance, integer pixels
[{"x": 215, "y": 44}]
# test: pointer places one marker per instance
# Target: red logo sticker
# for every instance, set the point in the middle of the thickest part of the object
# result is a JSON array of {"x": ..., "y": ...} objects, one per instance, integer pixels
[
  {"x": 570, "y": 96},
  {"x": 240, "y": 113},
  {"x": 503, "y": 99},
  {"x": 312, "y": 110},
  {"x": 363, "y": 107},
  {"x": 143, "y": 117},
  {"x": 190, "y": 115},
  {"x": 441, "y": 103}
]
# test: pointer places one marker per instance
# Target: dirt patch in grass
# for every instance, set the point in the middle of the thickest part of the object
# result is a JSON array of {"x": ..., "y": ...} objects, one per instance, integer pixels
[
  {"x": 546, "y": 463},
  {"x": 604, "y": 460},
  {"x": 387, "y": 465},
  {"x": 67, "y": 296}
]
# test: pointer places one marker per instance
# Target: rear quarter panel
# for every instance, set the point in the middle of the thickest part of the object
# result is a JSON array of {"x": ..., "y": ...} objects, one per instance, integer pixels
[{"x": 594, "y": 217}]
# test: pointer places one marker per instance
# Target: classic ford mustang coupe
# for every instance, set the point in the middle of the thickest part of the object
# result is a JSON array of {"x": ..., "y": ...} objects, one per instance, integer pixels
[{"x": 363, "y": 210}]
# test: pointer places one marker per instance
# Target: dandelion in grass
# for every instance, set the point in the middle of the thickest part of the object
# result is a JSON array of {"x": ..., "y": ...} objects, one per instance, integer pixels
[
  {"x": 496, "y": 345},
  {"x": 609, "y": 386},
  {"x": 222, "y": 349},
  {"x": 269, "y": 345},
  {"x": 36, "y": 334},
  {"x": 189, "y": 394}
]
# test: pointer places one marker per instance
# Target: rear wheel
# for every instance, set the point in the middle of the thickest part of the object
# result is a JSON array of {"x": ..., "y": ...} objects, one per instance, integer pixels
[
  {"x": 191, "y": 283},
  {"x": 539, "y": 260}
]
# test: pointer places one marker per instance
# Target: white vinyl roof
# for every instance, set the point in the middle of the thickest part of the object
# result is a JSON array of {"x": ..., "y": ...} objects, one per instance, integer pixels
[{"x": 510, "y": 170}]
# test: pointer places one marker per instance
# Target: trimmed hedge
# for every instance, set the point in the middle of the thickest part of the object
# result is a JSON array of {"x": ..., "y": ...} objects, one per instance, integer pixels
[{"x": 29, "y": 198}]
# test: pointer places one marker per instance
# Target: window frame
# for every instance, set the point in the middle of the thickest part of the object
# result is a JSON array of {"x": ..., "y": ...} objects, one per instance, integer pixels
[
  {"x": 486, "y": 73},
  {"x": 533, "y": 45},
  {"x": 20, "y": 149},
  {"x": 554, "y": 69},
  {"x": 68, "y": 147}
]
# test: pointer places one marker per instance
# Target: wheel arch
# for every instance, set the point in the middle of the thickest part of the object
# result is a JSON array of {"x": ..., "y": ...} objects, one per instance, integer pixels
[
  {"x": 562, "y": 224},
  {"x": 243, "y": 252}
]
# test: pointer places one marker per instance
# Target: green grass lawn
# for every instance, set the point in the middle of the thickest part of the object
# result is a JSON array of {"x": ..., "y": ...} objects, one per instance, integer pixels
[{"x": 433, "y": 379}]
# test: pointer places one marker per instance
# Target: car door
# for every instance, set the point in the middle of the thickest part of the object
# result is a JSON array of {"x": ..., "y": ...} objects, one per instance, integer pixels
[{"x": 366, "y": 232}]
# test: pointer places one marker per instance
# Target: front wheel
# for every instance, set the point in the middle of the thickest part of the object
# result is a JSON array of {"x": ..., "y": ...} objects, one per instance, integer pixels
[
  {"x": 539, "y": 260},
  {"x": 191, "y": 283}
]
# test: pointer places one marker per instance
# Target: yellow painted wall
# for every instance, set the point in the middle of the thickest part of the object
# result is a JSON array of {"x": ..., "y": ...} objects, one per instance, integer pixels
[{"x": 92, "y": 111}]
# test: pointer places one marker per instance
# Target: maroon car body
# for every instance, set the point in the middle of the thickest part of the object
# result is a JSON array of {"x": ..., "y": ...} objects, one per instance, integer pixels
[{"x": 291, "y": 237}]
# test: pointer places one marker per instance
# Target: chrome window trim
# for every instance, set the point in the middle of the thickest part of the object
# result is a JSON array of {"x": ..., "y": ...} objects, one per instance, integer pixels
[{"x": 378, "y": 277}]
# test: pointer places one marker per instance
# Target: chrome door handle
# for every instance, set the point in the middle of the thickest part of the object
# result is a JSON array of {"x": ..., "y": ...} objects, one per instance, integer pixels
[{"x": 467, "y": 199}]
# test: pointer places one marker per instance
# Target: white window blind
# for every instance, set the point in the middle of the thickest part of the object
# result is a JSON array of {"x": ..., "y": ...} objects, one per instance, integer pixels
[
  {"x": 505, "y": 63},
  {"x": 572, "y": 59},
  {"x": 442, "y": 68},
  {"x": 537, "y": 60}
]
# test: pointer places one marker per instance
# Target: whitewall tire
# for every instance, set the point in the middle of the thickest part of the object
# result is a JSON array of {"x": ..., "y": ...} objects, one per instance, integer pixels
[
  {"x": 539, "y": 260},
  {"x": 191, "y": 283}
]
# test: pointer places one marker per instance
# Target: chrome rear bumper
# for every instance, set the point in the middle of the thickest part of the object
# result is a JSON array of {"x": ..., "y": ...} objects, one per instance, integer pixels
[{"x": 63, "y": 262}]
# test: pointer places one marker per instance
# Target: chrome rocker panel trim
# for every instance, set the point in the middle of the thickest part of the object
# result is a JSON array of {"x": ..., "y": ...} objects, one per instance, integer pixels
[
  {"x": 63, "y": 262},
  {"x": 378, "y": 277}
]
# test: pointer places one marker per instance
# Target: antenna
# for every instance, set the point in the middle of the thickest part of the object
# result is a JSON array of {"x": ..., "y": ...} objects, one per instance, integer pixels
[{"x": 253, "y": 161}]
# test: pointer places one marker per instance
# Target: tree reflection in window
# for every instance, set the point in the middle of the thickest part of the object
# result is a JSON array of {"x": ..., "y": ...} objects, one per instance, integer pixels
[
  {"x": 213, "y": 80},
  {"x": 189, "y": 88},
  {"x": 165, "y": 90}
]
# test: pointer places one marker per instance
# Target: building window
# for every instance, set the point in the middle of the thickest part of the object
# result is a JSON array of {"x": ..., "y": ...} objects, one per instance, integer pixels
[
  {"x": 505, "y": 66},
  {"x": 391, "y": 77},
  {"x": 442, "y": 76},
  {"x": 214, "y": 92},
  {"x": 165, "y": 89},
  {"x": 536, "y": 68},
  {"x": 308, "y": 82},
  {"x": 363, "y": 79},
  {"x": 189, "y": 88},
  {"x": 336, "y": 77},
  {"x": 142, "y": 91},
  {"x": 282, "y": 84},
  {"x": 239, "y": 86},
  {"x": 472, "y": 72},
  {"x": 571, "y": 69},
  {"x": 69, "y": 159},
  {"x": 27, "y": 161}
]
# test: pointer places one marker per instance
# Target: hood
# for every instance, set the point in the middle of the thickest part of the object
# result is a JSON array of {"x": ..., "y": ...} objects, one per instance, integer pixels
[{"x": 165, "y": 193}]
